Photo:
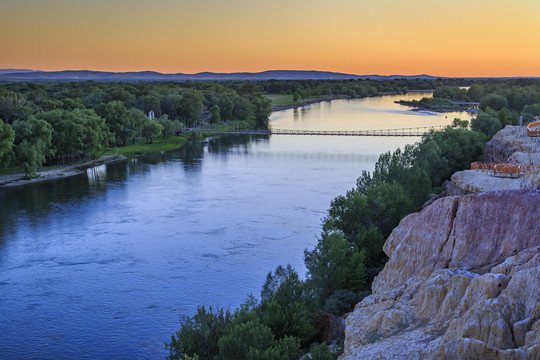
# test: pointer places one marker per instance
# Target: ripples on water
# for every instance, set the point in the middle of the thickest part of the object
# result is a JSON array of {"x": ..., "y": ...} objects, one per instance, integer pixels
[{"x": 100, "y": 265}]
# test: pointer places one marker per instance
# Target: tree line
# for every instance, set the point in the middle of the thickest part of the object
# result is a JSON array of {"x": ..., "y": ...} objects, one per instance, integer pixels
[
  {"x": 58, "y": 122},
  {"x": 61, "y": 123}
]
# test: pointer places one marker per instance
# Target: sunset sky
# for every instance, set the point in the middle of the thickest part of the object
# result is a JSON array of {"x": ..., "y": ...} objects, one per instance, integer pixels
[{"x": 442, "y": 38}]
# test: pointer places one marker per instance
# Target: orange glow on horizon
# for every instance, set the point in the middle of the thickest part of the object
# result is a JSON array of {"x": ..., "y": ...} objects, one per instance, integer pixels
[{"x": 461, "y": 38}]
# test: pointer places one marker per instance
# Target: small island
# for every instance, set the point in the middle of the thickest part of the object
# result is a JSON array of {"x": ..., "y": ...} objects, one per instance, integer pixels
[{"x": 447, "y": 99}]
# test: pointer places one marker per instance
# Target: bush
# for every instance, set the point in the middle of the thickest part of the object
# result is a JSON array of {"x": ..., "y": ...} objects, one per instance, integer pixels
[
  {"x": 199, "y": 335},
  {"x": 255, "y": 341},
  {"x": 323, "y": 352},
  {"x": 288, "y": 305}
]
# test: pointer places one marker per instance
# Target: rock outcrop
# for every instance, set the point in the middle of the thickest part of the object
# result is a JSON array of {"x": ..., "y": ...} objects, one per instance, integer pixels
[
  {"x": 510, "y": 145},
  {"x": 462, "y": 282}
]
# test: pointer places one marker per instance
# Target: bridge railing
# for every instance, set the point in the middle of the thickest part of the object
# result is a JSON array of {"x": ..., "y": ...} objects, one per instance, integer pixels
[{"x": 414, "y": 131}]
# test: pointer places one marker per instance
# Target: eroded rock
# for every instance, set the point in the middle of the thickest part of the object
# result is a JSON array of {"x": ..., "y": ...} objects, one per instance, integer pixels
[{"x": 462, "y": 282}]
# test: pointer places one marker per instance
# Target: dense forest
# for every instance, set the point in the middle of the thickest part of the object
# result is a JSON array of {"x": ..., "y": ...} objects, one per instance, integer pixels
[{"x": 59, "y": 123}]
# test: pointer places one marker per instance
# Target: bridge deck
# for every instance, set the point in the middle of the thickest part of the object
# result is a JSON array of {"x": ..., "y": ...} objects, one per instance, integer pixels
[{"x": 418, "y": 131}]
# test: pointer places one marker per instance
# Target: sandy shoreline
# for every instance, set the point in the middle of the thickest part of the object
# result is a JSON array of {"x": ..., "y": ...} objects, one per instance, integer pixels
[{"x": 56, "y": 173}]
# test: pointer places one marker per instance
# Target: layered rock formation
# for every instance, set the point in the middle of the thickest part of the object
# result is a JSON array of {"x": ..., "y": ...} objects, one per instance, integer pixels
[
  {"x": 462, "y": 282},
  {"x": 512, "y": 144}
]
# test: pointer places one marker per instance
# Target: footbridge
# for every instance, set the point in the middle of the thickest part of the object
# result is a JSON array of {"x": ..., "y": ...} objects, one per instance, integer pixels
[{"x": 412, "y": 131}]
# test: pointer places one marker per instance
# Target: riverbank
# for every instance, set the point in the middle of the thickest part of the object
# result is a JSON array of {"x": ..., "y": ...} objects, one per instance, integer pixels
[
  {"x": 56, "y": 172},
  {"x": 46, "y": 173}
]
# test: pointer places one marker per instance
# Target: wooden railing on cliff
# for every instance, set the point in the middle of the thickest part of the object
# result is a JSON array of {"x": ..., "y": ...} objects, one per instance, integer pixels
[
  {"x": 533, "y": 129},
  {"x": 513, "y": 171}
]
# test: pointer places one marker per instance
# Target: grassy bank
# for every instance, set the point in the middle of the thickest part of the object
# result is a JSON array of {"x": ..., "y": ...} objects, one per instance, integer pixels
[
  {"x": 12, "y": 174},
  {"x": 141, "y": 147}
]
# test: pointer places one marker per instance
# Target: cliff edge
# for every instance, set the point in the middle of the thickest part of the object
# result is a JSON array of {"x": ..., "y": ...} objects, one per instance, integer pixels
[{"x": 462, "y": 282}]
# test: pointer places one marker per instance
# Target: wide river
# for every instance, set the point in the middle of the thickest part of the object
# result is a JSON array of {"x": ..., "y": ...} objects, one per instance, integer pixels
[{"x": 100, "y": 265}]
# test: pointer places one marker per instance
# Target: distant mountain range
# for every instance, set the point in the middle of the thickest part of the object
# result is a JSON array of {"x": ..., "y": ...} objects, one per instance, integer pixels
[{"x": 83, "y": 75}]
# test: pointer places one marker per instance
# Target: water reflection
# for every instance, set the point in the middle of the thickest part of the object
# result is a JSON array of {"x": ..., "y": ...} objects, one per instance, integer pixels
[{"x": 373, "y": 113}]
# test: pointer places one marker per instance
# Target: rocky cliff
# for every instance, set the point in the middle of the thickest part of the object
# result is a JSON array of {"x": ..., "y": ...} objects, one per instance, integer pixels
[
  {"x": 462, "y": 282},
  {"x": 512, "y": 144}
]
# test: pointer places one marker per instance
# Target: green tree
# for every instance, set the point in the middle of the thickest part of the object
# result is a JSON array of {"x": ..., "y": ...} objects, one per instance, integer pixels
[
  {"x": 531, "y": 110},
  {"x": 288, "y": 306},
  {"x": 442, "y": 153},
  {"x": 262, "y": 109},
  {"x": 170, "y": 105},
  {"x": 476, "y": 92},
  {"x": 388, "y": 203},
  {"x": 398, "y": 167},
  {"x": 7, "y": 138},
  {"x": 72, "y": 104},
  {"x": 138, "y": 121},
  {"x": 432, "y": 161},
  {"x": 215, "y": 116},
  {"x": 507, "y": 118},
  {"x": 168, "y": 126},
  {"x": 243, "y": 109},
  {"x": 445, "y": 92},
  {"x": 147, "y": 103},
  {"x": 78, "y": 134},
  {"x": 334, "y": 264},
  {"x": 494, "y": 101},
  {"x": 151, "y": 130},
  {"x": 486, "y": 122},
  {"x": 118, "y": 119},
  {"x": 51, "y": 104},
  {"x": 457, "y": 123},
  {"x": 199, "y": 335},
  {"x": 32, "y": 143},
  {"x": 13, "y": 106},
  {"x": 191, "y": 106}
]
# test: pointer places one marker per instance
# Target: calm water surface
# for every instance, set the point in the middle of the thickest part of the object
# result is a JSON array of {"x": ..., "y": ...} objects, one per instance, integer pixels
[{"x": 100, "y": 265}]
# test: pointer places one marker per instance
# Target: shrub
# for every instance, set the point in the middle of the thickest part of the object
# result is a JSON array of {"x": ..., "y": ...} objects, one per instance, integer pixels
[{"x": 199, "y": 335}]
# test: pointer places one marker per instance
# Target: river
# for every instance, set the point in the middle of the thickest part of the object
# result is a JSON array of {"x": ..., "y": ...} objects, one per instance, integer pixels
[{"x": 100, "y": 265}]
